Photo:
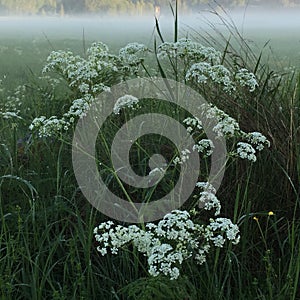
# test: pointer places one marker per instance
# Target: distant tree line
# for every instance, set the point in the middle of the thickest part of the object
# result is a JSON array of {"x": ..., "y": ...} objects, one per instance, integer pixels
[{"x": 140, "y": 7}]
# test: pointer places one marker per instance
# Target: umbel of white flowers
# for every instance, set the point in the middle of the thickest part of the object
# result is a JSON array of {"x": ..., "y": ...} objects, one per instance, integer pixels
[{"x": 170, "y": 242}]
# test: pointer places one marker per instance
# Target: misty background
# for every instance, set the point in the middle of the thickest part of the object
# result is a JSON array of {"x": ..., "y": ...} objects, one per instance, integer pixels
[{"x": 132, "y": 7}]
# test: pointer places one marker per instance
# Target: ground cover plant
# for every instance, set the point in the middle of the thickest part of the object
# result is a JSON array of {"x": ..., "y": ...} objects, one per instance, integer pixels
[{"x": 245, "y": 238}]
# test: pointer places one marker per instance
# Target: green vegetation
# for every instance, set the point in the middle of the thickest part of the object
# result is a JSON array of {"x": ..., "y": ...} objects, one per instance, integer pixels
[{"x": 47, "y": 245}]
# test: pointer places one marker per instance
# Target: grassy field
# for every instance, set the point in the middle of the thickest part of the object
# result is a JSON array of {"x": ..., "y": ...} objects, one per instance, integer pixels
[{"x": 47, "y": 245}]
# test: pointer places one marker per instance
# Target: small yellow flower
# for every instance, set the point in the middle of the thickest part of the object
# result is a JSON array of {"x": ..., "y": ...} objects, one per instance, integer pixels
[
  {"x": 255, "y": 219},
  {"x": 270, "y": 213}
]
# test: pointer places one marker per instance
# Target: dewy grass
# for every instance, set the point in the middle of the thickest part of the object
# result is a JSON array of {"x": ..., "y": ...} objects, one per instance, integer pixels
[{"x": 47, "y": 246}]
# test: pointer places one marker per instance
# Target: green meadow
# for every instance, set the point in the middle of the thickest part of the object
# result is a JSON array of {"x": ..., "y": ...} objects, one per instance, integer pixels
[{"x": 48, "y": 248}]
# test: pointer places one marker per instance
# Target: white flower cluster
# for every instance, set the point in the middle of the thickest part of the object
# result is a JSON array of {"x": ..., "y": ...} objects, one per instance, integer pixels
[
  {"x": 226, "y": 226},
  {"x": 81, "y": 73},
  {"x": 246, "y": 151},
  {"x": 133, "y": 55},
  {"x": 209, "y": 201},
  {"x": 184, "y": 156},
  {"x": 227, "y": 126},
  {"x": 9, "y": 115},
  {"x": 246, "y": 78},
  {"x": 207, "y": 198},
  {"x": 202, "y": 72},
  {"x": 204, "y": 146},
  {"x": 189, "y": 50},
  {"x": 125, "y": 101},
  {"x": 12, "y": 105},
  {"x": 258, "y": 140},
  {"x": 169, "y": 243},
  {"x": 48, "y": 127},
  {"x": 78, "y": 108},
  {"x": 206, "y": 186},
  {"x": 193, "y": 124}
]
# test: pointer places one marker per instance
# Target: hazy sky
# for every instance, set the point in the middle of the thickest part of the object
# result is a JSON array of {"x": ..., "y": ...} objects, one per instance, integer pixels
[{"x": 72, "y": 26}]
